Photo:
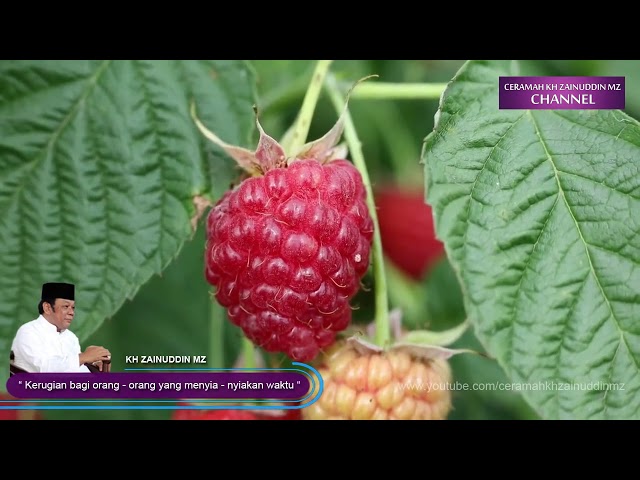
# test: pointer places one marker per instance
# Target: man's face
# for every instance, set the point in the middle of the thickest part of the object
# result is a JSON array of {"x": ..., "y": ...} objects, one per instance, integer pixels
[{"x": 62, "y": 315}]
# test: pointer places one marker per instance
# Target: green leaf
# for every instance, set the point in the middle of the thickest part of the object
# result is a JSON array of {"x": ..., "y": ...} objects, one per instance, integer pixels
[
  {"x": 540, "y": 215},
  {"x": 101, "y": 173},
  {"x": 480, "y": 388}
]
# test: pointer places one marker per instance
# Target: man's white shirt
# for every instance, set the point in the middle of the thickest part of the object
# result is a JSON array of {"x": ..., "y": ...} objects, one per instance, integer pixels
[{"x": 39, "y": 347}]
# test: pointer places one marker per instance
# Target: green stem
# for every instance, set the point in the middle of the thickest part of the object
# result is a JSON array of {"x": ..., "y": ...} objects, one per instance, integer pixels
[
  {"x": 248, "y": 353},
  {"x": 303, "y": 121},
  {"x": 383, "y": 328},
  {"x": 395, "y": 91},
  {"x": 216, "y": 332}
]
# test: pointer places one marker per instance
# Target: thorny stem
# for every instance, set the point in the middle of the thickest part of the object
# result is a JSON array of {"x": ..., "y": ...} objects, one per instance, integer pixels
[
  {"x": 395, "y": 91},
  {"x": 383, "y": 325},
  {"x": 303, "y": 121}
]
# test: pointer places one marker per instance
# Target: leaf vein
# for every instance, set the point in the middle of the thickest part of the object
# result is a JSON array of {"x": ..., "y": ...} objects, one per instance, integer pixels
[
  {"x": 475, "y": 182},
  {"x": 563, "y": 116},
  {"x": 91, "y": 83},
  {"x": 524, "y": 273},
  {"x": 157, "y": 141},
  {"x": 573, "y": 174},
  {"x": 584, "y": 242}
]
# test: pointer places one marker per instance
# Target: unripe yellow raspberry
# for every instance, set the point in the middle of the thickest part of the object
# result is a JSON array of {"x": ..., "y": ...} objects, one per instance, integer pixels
[{"x": 385, "y": 385}]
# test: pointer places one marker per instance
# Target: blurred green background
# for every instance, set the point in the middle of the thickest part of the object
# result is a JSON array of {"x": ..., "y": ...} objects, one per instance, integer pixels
[{"x": 173, "y": 313}]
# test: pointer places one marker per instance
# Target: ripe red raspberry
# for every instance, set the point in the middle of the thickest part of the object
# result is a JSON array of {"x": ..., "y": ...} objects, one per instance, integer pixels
[
  {"x": 407, "y": 230},
  {"x": 386, "y": 385},
  {"x": 287, "y": 250}
]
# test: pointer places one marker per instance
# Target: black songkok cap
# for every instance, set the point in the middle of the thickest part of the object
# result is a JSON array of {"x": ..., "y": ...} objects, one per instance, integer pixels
[{"x": 58, "y": 290}]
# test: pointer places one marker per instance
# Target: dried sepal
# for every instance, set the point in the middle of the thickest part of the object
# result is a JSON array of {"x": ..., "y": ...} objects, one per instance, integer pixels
[
  {"x": 245, "y": 158},
  {"x": 321, "y": 148},
  {"x": 270, "y": 154},
  {"x": 425, "y": 352},
  {"x": 418, "y": 343},
  {"x": 326, "y": 148}
]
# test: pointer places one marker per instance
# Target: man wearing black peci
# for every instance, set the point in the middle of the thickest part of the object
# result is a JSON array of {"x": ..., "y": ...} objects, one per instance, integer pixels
[{"x": 47, "y": 345}]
